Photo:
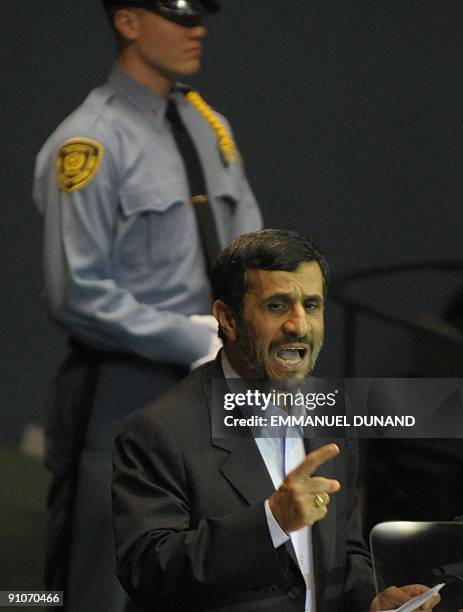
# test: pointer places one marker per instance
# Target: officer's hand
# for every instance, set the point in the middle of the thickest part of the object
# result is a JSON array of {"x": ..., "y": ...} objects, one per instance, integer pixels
[
  {"x": 393, "y": 597},
  {"x": 294, "y": 504}
]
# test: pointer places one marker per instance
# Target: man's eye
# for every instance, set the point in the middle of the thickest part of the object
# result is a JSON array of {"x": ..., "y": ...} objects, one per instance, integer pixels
[
  {"x": 276, "y": 306},
  {"x": 312, "y": 305}
]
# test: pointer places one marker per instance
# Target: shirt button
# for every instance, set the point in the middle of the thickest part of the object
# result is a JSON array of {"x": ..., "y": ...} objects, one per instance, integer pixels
[
  {"x": 302, "y": 558},
  {"x": 294, "y": 592}
]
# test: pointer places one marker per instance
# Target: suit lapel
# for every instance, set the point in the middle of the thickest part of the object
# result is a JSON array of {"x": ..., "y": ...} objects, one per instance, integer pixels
[
  {"x": 244, "y": 467},
  {"x": 246, "y": 471}
]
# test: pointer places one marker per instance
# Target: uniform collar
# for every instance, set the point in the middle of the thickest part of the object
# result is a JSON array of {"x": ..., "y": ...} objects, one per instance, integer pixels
[{"x": 143, "y": 97}]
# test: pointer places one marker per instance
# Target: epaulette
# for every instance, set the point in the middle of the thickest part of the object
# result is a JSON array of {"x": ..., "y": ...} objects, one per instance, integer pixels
[{"x": 227, "y": 146}]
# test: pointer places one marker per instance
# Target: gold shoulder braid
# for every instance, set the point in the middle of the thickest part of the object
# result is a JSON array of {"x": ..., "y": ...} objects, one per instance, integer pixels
[{"x": 227, "y": 146}]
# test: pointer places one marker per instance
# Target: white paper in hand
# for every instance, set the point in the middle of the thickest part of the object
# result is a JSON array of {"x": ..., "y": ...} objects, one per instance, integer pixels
[{"x": 416, "y": 602}]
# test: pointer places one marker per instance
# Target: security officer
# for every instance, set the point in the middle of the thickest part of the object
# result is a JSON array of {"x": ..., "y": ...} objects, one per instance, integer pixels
[{"x": 139, "y": 187}]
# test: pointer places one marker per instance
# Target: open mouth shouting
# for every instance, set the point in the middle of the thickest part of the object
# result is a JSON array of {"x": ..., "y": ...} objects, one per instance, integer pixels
[{"x": 291, "y": 358}]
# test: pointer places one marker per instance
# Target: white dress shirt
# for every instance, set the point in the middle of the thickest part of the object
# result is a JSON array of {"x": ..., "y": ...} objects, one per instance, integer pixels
[{"x": 281, "y": 455}]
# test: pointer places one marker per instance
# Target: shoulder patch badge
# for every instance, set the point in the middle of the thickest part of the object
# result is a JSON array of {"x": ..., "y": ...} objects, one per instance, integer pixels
[{"x": 77, "y": 163}]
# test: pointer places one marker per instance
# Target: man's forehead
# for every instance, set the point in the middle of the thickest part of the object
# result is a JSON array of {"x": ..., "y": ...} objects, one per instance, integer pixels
[{"x": 307, "y": 277}]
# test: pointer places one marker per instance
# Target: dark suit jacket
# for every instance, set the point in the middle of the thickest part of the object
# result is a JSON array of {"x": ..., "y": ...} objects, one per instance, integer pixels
[{"x": 190, "y": 525}]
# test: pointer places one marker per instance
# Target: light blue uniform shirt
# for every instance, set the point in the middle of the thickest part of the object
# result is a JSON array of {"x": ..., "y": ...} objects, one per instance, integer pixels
[{"x": 124, "y": 267}]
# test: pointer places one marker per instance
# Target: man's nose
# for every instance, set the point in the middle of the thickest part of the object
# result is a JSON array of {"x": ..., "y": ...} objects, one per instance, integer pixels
[
  {"x": 198, "y": 31},
  {"x": 297, "y": 324}
]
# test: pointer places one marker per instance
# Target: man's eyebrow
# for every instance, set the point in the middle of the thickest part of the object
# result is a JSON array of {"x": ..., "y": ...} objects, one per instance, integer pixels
[
  {"x": 314, "y": 297},
  {"x": 286, "y": 296}
]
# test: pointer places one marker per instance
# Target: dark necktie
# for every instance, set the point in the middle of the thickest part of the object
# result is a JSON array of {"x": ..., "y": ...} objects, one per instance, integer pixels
[{"x": 198, "y": 194}]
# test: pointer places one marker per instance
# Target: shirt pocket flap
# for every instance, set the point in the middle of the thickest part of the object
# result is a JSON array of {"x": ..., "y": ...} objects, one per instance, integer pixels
[
  {"x": 151, "y": 196},
  {"x": 224, "y": 188}
]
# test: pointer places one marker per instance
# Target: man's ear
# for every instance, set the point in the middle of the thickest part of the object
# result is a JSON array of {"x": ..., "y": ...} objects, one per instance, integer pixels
[
  {"x": 126, "y": 23},
  {"x": 225, "y": 318}
]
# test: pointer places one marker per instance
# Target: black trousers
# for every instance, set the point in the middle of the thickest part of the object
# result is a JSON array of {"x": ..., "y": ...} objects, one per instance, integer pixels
[{"x": 90, "y": 396}]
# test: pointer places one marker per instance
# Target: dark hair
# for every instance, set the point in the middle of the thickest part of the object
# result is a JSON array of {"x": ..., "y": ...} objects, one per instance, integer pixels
[{"x": 268, "y": 249}]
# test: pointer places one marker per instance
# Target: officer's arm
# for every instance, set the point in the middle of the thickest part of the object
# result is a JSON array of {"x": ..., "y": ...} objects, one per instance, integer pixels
[{"x": 80, "y": 289}]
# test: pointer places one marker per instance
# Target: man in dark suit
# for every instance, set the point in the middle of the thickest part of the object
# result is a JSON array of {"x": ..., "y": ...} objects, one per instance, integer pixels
[{"x": 242, "y": 523}]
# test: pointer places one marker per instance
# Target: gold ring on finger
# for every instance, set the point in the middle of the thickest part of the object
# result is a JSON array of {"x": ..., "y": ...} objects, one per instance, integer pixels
[{"x": 319, "y": 501}]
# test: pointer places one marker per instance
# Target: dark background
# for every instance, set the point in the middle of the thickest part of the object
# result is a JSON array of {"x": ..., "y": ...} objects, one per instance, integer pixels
[{"x": 349, "y": 119}]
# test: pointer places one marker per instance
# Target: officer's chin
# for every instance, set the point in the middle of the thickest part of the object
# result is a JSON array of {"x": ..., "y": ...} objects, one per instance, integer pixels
[{"x": 189, "y": 68}]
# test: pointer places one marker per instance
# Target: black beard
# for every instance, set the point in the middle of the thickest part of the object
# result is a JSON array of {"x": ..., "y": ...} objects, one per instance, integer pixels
[{"x": 246, "y": 345}]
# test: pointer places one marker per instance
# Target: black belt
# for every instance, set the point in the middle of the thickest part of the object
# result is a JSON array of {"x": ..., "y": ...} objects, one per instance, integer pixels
[{"x": 96, "y": 355}]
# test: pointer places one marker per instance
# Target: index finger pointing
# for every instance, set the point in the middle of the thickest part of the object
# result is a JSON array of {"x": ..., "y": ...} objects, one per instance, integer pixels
[{"x": 315, "y": 459}]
